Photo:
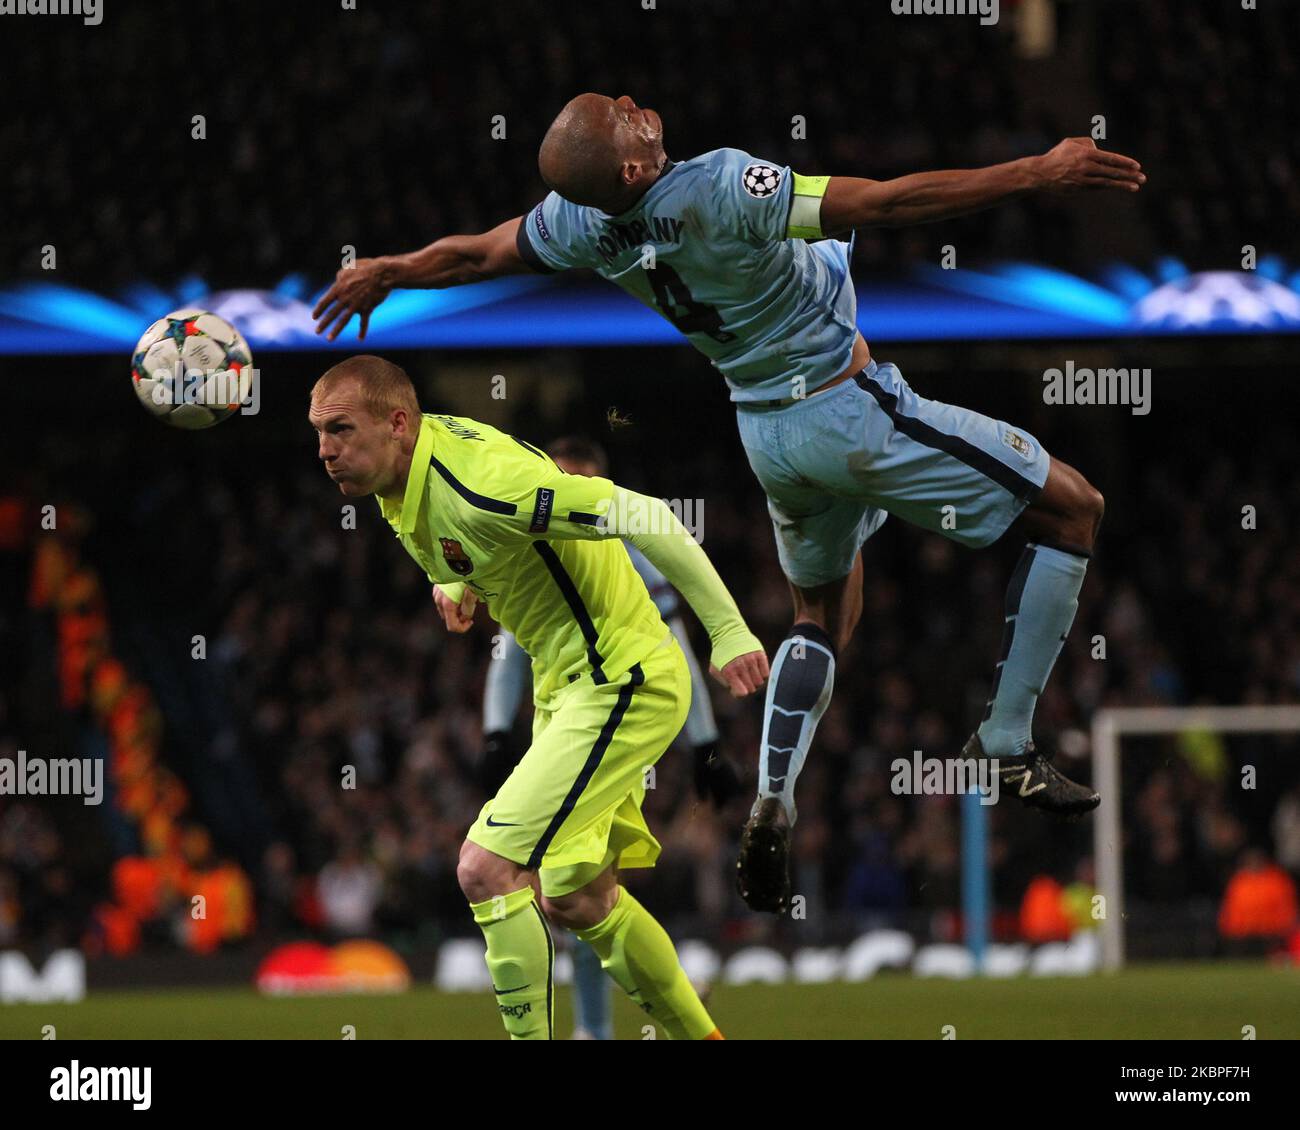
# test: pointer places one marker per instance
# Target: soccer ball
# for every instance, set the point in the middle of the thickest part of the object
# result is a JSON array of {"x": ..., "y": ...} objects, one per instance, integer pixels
[{"x": 192, "y": 369}]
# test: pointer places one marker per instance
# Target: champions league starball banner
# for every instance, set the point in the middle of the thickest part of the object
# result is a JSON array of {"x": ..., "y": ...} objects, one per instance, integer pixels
[{"x": 1008, "y": 301}]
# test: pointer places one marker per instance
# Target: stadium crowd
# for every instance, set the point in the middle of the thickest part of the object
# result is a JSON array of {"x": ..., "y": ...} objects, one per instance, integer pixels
[
  {"x": 1186, "y": 76},
  {"x": 338, "y": 769},
  {"x": 417, "y": 102}
]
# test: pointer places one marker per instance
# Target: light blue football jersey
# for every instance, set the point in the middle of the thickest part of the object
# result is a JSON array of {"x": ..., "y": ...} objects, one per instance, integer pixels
[{"x": 763, "y": 307}]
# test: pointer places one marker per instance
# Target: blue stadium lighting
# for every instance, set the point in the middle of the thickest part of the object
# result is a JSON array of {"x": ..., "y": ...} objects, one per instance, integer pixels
[
  {"x": 146, "y": 298},
  {"x": 192, "y": 290},
  {"x": 1128, "y": 282},
  {"x": 1009, "y": 301},
  {"x": 1273, "y": 268},
  {"x": 1037, "y": 288},
  {"x": 405, "y": 306},
  {"x": 1056, "y": 290},
  {"x": 1169, "y": 269},
  {"x": 63, "y": 308},
  {"x": 291, "y": 286}
]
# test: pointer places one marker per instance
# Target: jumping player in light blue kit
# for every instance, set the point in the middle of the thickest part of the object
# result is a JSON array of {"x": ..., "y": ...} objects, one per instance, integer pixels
[{"x": 734, "y": 251}]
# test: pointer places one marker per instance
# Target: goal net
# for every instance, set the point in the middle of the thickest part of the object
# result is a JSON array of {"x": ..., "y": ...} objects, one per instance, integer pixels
[{"x": 1110, "y": 727}]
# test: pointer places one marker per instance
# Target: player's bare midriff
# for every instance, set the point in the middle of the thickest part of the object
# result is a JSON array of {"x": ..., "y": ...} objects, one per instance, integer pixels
[{"x": 861, "y": 357}]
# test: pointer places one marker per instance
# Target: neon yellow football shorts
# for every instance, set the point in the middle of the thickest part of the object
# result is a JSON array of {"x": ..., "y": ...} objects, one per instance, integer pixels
[{"x": 572, "y": 806}]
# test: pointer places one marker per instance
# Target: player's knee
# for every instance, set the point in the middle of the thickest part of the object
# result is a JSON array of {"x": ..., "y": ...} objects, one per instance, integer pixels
[
  {"x": 477, "y": 873},
  {"x": 1086, "y": 512},
  {"x": 559, "y": 912},
  {"x": 578, "y": 911},
  {"x": 1079, "y": 515}
]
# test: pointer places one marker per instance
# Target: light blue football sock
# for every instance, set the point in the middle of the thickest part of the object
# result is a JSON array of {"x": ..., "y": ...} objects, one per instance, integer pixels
[
  {"x": 509, "y": 675},
  {"x": 592, "y": 992},
  {"x": 1042, "y": 599}
]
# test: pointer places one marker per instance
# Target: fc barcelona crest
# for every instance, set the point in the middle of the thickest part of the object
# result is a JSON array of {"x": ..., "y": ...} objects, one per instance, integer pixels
[{"x": 457, "y": 559}]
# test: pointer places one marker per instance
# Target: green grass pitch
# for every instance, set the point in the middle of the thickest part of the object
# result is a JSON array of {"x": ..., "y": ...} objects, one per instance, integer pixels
[{"x": 1187, "y": 1001}]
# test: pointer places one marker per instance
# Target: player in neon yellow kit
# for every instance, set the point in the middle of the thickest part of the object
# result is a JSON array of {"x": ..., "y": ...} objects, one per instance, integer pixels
[{"x": 491, "y": 519}]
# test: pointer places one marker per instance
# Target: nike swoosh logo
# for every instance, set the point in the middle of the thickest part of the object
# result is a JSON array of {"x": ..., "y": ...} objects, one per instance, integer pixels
[
  {"x": 517, "y": 989},
  {"x": 500, "y": 823}
]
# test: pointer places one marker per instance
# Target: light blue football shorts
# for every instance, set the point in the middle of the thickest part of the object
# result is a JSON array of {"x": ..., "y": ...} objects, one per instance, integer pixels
[{"x": 835, "y": 464}]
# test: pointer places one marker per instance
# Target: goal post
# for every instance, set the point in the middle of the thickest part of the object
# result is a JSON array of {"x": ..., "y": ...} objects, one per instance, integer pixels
[{"x": 1110, "y": 726}]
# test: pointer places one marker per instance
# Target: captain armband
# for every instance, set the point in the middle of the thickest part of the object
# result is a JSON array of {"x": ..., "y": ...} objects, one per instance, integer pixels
[{"x": 806, "y": 207}]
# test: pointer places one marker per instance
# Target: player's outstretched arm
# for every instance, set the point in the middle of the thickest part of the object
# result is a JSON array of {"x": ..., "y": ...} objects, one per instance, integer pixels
[
  {"x": 542, "y": 502},
  {"x": 1075, "y": 165},
  {"x": 737, "y": 659},
  {"x": 450, "y": 261}
]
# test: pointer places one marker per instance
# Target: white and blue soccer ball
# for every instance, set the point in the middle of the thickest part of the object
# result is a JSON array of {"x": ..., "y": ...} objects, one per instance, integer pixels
[{"x": 192, "y": 369}]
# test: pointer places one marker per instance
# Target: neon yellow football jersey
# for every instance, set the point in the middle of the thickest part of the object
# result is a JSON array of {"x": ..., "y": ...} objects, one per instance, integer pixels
[{"x": 495, "y": 512}]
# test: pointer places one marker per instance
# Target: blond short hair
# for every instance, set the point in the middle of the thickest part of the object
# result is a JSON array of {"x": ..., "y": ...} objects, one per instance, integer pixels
[{"x": 383, "y": 385}]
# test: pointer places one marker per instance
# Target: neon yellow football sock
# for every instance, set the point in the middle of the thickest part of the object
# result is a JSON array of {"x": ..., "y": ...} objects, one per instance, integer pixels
[
  {"x": 637, "y": 952},
  {"x": 520, "y": 957}
]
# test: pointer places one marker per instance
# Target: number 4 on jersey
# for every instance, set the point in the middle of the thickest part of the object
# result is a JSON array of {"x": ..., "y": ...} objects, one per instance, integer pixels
[{"x": 689, "y": 316}]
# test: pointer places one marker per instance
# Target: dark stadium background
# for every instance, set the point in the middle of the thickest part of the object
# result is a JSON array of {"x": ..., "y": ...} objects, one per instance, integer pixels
[{"x": 371, "y": 128}]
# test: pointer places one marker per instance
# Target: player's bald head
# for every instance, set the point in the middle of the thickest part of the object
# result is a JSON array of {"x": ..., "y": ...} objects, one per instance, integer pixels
[
  {"x": 602, "y": 152},
  {"x": 371, "y": 383}
]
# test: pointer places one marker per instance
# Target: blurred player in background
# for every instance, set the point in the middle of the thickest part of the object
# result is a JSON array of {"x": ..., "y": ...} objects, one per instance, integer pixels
[
  {"x": 510, "y": 673},
  {"x": 492, "y": 519},
  {"x": 733, "y": 250}
]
